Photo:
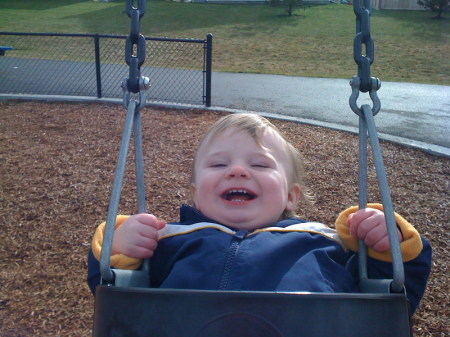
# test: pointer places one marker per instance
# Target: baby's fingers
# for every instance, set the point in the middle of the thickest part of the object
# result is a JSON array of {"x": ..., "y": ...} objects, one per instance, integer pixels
[
  {"x": 139, "y": 252},
  {"x": 150, "y": 220},
  {"x": 136, "y": 245},
  {"x": 377, "y": 238},
  {"x": 363, "y": 221},
  {"x": 382, "y": 245}
]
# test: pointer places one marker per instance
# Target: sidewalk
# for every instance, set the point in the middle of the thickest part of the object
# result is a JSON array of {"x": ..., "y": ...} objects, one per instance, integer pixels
[{"x": 416, "y": 115}]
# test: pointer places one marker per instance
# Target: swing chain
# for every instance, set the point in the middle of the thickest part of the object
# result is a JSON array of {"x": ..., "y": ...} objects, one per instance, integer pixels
[
  {"x": 135, "y": 56},
  {"x": 364, "y": 82}
]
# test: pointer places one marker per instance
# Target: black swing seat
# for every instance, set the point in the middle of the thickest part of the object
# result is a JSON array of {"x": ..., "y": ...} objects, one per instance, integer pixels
[{"x": 124, "y": 311}]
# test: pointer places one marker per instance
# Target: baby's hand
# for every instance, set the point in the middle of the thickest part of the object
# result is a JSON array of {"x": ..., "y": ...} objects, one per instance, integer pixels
[
  {"x": 137, "y": 237},
  {"x": 369, "y": 225}
]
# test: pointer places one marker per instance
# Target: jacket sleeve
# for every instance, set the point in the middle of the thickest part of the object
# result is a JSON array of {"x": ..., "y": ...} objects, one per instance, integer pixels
[
  {"x": 411, "y": 246},
  {"x": 94, "y": 276},
  {"x": 117, "y": 261},
  {"x": 416, "y": 252}
]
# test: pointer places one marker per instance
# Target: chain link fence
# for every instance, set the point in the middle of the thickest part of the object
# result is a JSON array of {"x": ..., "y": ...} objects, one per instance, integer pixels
[{"x": 93, "y": 65}]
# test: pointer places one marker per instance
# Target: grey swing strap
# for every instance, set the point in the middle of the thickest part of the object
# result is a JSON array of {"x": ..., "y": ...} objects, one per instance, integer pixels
[
  {"x": 367, "y": 129},
  {"x": 135, "y": 91}
]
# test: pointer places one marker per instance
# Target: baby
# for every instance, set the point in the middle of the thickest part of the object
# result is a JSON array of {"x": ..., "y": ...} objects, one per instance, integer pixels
[{"x": 242, "y": 232}]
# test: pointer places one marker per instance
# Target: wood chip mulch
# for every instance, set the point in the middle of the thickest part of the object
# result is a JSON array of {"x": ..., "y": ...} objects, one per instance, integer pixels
[{"x": 57, "y": 164}]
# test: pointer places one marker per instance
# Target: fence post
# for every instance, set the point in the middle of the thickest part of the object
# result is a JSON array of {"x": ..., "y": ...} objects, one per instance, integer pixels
[
  {"x": 97, "y": 66},
  {"x": 208, "y": 69}
]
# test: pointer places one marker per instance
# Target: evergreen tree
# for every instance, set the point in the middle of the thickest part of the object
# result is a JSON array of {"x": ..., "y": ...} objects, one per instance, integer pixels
[{"x": 438, "y": 6}]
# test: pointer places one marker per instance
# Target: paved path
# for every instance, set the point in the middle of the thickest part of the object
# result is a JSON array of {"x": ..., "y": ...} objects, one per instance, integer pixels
[{"x": 417, "y": 115}]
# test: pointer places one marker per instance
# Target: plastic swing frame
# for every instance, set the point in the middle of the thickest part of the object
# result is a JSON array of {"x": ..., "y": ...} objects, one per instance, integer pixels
[{"x": 126, "y": 306}]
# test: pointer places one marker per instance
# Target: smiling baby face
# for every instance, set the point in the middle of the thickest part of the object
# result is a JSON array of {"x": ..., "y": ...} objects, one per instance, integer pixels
[{"x": 244, "y": 182}]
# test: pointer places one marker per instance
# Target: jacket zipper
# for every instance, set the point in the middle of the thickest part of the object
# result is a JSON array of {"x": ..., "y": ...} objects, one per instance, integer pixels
[{"x": 230, "y": 259}]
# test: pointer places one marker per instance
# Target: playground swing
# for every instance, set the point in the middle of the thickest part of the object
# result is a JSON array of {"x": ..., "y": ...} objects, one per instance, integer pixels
[{"x": 126, "y": 306}]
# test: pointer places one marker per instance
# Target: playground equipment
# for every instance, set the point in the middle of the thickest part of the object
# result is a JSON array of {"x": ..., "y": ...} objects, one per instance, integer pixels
[{"x": 126, "y": 306}]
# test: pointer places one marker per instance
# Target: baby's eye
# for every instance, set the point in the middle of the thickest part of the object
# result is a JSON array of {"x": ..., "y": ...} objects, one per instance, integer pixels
[
  {"x": 260, "y": 165},
  {"x": 217, "y": 165}
]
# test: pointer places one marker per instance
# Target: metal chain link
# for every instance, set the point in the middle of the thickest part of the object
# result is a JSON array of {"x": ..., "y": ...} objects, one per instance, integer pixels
[
  {"x": 135, "y": 54},
  {"x": 364, "y": 82},
  {"x": 363, "y": 37}
]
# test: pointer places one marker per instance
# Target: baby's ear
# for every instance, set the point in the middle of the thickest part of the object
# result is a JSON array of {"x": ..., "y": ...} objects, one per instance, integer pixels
[
  {"x": 293, "y": 197},
  {"x": 193, "y": 193}
]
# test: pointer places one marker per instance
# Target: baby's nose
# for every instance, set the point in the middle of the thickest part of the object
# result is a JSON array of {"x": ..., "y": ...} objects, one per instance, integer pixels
[{"x": 238, "y": 171}]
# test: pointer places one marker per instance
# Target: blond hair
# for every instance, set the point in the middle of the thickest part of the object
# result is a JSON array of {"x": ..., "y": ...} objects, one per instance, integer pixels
[{"x": 256, "y": 126}]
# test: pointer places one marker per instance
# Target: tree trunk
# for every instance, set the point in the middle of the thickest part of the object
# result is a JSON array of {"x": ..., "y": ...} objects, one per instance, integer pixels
[{"x": 289, "y": 10}]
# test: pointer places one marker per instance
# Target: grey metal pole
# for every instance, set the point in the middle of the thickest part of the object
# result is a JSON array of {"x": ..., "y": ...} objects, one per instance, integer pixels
[{"x": 105, "y": 258}]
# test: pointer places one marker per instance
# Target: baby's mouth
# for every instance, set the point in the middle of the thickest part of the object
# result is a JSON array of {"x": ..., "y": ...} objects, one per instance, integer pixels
[{"x": 238, "y": 195}]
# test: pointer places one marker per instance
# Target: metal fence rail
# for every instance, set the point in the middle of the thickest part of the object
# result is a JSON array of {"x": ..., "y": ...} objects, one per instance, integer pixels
[{"x": 93, "y": 65}]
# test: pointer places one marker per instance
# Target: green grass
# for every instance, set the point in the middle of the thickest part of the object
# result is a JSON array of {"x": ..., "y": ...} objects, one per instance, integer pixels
[{"x": 410, "y": 46}]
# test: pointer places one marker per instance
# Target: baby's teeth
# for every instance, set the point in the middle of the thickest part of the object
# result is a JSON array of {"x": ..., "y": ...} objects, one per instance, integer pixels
[{"x": 238, "y": 191}]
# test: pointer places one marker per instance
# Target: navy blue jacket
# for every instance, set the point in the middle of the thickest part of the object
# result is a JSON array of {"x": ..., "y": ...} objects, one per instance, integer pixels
[{"x": 293, "y": 255}]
